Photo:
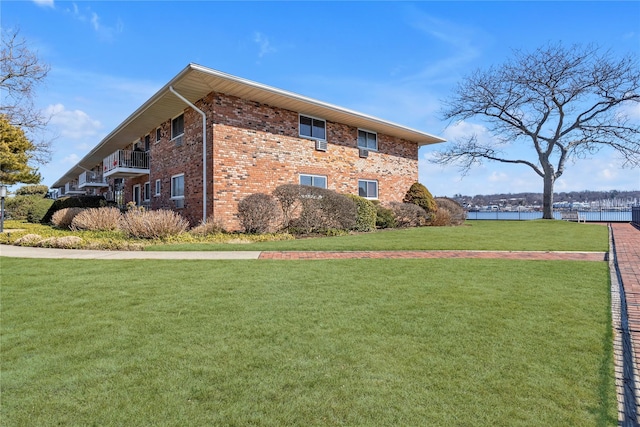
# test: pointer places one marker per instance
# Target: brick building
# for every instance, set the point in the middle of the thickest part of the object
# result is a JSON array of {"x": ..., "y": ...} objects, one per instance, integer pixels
[{"x": 256, "y": 138}]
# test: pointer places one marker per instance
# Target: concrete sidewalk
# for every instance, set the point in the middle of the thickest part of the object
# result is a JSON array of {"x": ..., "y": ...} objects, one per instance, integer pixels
[{"x": 28, "y": 252}]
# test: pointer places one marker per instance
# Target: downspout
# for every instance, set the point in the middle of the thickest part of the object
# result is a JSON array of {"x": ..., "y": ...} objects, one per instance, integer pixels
[{"x": 204, "y": 152}]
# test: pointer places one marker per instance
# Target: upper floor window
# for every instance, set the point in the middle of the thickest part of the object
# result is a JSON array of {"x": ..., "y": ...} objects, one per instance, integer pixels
[
  {"x": 368, "y": 189},
  {"x": 367, "y": 140},
  {"x": 312, "y": 128},
  {"x": 313, "y": 180},
  {"x": 158, "y": 134},
  {"x": 177, "y": 126},
  {"x": 147, "y": 141}
]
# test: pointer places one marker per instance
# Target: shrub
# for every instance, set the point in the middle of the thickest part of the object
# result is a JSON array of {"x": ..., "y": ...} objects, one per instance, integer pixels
[
  {"x": 76, "y": 202},
  {"x": 64, "y": 217},
  {"x": 409, "y": 214},
  {"x": 28, "y": 240},
  {"x": 32, "y": 190},
  {"x": 385, "y": 217},
  {"x": 31, "y": 208},
  {"x": 288, "y": 195},
  {"x": 454, "y": 214},
  {"x": 258, "y": 213},
  {"x": 323, "y": 210},
  {"x": 420, "y": 196},
  {"x": 64, "y": 242},
  {"x": 97, "y": 219},
  {"x": 153, "y": 224},
  {"x": 208, "y": 228},
  {"x": 366, "y": 213}
]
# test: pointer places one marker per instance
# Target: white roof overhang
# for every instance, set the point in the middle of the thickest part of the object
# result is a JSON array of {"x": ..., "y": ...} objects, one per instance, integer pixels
[{"x": 195, "y": 81}]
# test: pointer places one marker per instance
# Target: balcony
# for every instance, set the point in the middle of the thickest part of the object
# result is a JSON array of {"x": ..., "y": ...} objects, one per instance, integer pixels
[
  {"x": 91, "y": 179},
  {"x": 126, "y": 164},
  {"x": 71, "y": 188}
]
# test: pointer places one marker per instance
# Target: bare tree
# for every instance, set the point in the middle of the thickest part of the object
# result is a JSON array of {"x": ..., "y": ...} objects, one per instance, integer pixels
[
  {"x": 21, "y": 71},
  {"x": 566, "y": 103}
]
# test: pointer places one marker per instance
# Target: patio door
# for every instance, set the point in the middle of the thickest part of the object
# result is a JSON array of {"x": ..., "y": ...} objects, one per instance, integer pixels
[{"x": 136, "y": 195}]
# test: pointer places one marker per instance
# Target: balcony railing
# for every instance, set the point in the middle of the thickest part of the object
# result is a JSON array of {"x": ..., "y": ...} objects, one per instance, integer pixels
[
  {"x": 72, "y": 188},
  {"x": 126, "y": 163},
  {"x": 91, "y": 179}
]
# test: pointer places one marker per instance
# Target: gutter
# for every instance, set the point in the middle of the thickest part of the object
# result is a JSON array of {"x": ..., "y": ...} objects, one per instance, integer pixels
[{"x": 204, "y": 151}]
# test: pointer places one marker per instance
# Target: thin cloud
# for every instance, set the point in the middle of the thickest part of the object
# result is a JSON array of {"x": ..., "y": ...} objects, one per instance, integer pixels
[
  {"x": 45, "y": 3},
  {"x": 104, "y": 32},
  {"x": 72, "y": 124},
  {"x": 264, "y": 45}
]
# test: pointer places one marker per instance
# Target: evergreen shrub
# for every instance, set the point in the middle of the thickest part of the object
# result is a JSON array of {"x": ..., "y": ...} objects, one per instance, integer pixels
[
  {"x": 366, "y": 213},
  {"x": 420, "y": 196}
]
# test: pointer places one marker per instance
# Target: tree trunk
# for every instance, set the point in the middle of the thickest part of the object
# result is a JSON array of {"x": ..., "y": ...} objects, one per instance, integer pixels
[{"x": 547, "y": 195}]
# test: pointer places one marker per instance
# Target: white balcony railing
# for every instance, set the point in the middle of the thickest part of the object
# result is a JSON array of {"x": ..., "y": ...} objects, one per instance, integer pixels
[
  {"x": 125, "y": 163},
  {"x": 72, "y": 188},
  {"x": 91, "y": 179}
]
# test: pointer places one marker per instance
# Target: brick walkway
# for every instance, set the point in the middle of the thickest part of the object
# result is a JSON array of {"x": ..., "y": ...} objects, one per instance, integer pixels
[{"x": 625, "y": 287}]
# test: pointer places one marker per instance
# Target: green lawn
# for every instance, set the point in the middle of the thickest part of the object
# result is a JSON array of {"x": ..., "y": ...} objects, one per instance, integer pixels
[
  {"x": 266, "y": 343},
  {"x": 476, "y": 235}
]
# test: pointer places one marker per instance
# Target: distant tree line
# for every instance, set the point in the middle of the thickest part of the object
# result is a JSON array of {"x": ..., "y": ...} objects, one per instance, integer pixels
[{"x": 527, "y": 199}]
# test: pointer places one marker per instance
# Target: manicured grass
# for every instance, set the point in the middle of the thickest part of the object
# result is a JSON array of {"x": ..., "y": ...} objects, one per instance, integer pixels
[
  {"x": 475, "y": 235},
  {"x": 359, "y": 342}
]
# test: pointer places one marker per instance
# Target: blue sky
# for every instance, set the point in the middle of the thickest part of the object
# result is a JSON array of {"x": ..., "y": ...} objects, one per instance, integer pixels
[{"x": 394, "y": 60}]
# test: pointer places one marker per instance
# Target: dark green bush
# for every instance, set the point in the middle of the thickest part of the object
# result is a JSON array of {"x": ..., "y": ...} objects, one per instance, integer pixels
[
  {"x": 76, "y": 202},
  {"x": 30, "y": 208},
  {"x": 419, "y": 195},
  {"x": 366, "y": 213},
  {"x": 385, "y": 217}
]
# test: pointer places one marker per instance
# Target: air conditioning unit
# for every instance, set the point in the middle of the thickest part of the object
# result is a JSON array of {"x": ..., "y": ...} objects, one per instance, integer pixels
[
  {"x": 321, "y": 145},
  {"x": 363, "y": 153}
]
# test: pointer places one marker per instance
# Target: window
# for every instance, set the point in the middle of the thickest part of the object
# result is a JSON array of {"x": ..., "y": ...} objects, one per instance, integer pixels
[
  {"x": 368, "y": 189},
  {"x": 177, "y": 186},
  {"x": 177, "y": 126},
  {"x": 147, "y": 142},
  {"x": 367, "y": 140},
  {"x": 158, "y": 187},
  {"x": 147, "y": 191},
  {"x": 158, "y": 134},
  {"x": 312, "y": 128},
  {"x": 314, "y": 180}
]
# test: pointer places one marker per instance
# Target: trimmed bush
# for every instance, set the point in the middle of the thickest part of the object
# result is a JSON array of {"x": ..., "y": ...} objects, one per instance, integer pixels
[
  {"x": 76, "y": 202},
  {"x": 63, "y": 242},
  {"x": 30, "y": 208},
  {"x": 97, "y": 219},
  {"x": 420, "y": 196},
  {"x": 385, "y": 218},
  {"x": 64, "y": 217},
  {"x": 258, "y": 213},
  {"x": 324, "y": 210},
  {"x": 366, "y": 213},
  {"x": 156, "y": 224},
  {"x": 453, "y": 213},
  {"x": 288, "y": 195},
  {"x": 409, "y": 214},
  {"x": 28, "y": 240}
]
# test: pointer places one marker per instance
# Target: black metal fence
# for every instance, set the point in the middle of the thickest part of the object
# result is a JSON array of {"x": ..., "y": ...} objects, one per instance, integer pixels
[{"x": 635, "y": 215}]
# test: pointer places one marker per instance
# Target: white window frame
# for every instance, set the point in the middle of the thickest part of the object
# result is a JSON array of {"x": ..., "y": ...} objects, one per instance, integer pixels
[
  {"x": 158, "y": 134},
  {"x": 313, "y": 177},
  {"x": 146, "y": 193},
  {"x": 367, "y": 196},
  {"x": 158, "y": 187},
  {"x": 300, "y": 116},
  {"x": 173, "y": 195},
  {"x": 177, "y": 136},
  {"x": 368, "y": 132}
]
